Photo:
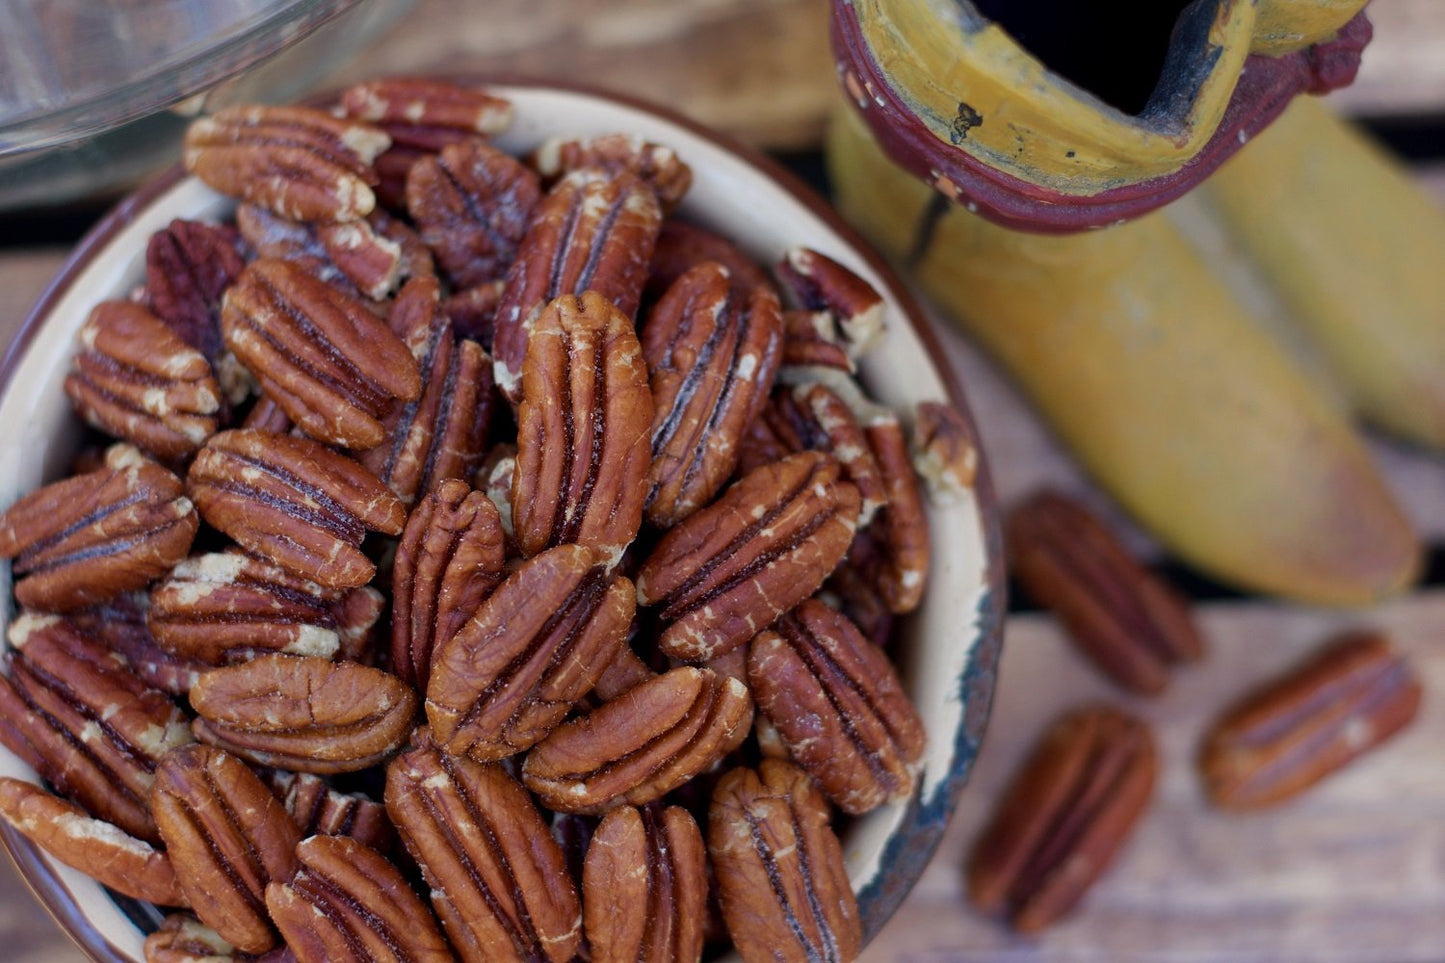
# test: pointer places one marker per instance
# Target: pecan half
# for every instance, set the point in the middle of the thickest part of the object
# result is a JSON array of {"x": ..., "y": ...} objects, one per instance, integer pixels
[
  {"x": 854, "y": 589},
  {"x": 822, "y": 285},
  {"x": 184, "y": 939},
  {"x": 642, "y": 745},
  {"x": 328, "y": 362},
  {"x": 346, "y": 902},
  {"x": 189, "y": 265},
  {"x": 945, "y": 451},
  {"x": 812, "y": 417},
  {"x": 811, "y": 340},
  {"x": 120, "y": 625},
  {"x": 591, "y": 232},
  {"x": 497, "y": 878},
  {"x": 712, "y": 352},
  {"x": 533, "y": 648},
  {"x": 101, "y": 850},
  {"x": 226, "y": 607},
  {"x": 321, "y": 810},
  {"x": 366, "y": 257},
  {"x": 1284, "y": 738},
  {"x": 87, "y": 539},
  {"x": 451, "y": 557},
  {"x": 134, "y": 378},
  {"x": 1067, "y": 812},
  {"x": 303, "y": 713},
  {"x": 427, "y": 103},
  {"x": 682, "y": 246},
  {"x": 658, "y": 166},
  {"x": 1126, "y": 619},
  {"x": 472, "y": 204},
  {"x": 227, "y": 836},
  {"x": 838, "y": 707},
  {"x": 441, "y": 434},
  {"x": 902, "y": 525},
  {"x": 295, "y": 502},
  {"x": 73, "y": 711},
  {"x": 644, "y": 887},
  {"x": 582, "y": 430},
  {"x": 784, "y": 890},
  {"x": 301, "y": 163},
  {"x": 726, "y": 572}
]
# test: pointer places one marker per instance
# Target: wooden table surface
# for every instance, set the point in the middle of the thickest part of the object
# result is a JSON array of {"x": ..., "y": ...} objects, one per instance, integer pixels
[{"x": 1354, "y": 872}]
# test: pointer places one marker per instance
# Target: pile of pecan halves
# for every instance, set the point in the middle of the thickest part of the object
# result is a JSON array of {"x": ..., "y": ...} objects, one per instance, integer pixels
[{"x": 614, "y": 650}]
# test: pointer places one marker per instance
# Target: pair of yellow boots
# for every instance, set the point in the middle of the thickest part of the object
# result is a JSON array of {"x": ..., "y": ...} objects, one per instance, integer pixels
[{"x": 1138, "y": 347}]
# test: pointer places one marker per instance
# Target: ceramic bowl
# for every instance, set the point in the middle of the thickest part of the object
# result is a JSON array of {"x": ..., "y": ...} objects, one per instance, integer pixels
[{"x": 947, "y": 650}]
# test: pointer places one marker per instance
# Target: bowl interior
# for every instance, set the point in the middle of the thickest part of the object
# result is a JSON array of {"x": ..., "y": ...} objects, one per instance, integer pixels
[{"x": 946, "y": 649}]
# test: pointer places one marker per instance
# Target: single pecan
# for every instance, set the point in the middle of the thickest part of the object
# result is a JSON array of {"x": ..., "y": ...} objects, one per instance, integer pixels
[
  {"x": 318, "y": 809},
  {"x": 726, "y": 572},
  {"x": 945, "y": 451},
  {"x": 1069, "y": 809},
  {"x": 365, "y": 257},
  {"x": 591, "y": 232},
  {"x": 642, "y": 745},
  {"x": 531, "y": 650},
  {"x": 811, "y": 340},
  {"x": 227, "y": 836},
  {"x": 644, "y": 887},
  {"x": 189, "y": 265},
  {"x": 426, "y": 103},
  {"x": 74, "y": 712},
  {"x": 838, "y": 707},
  {"x": 1126, "y": 619},
  {"x": 1287, "y": 736},
  {"x": 295, "y": 502},
  {"x": 822, "y": 285},
  {"x": 441, "y": 434},
  {"x": 184, "y": 939},
  {"x": 582, "y": 428},
  {"x": 451, "y": 557},
  {"x": 682, "y": 246},
  {"x": 134, "y": 378},
  {"x": 497, "y": 878},
  {"x": 658, "y": 166},
  {"x": 854, "y": 589},
  {"x": 346, "y": 902},
  {"x": 812, "y": 416},
  {"x": 227, "y": 607},
  {"x": 784, "y": 890},
  {"x": 101, "y": 850},
  {"x": 301, "y": 163},
  {"x": 472, "y": 204},
  {"x": 121, "y": 625},
  {"x": 303, "y": 713},
  {"x": 333, "y": 366},
  {"x": 902, "y": 524},
  {"x": 87, "y": 539},
  {"x": 712, "y": 352}
]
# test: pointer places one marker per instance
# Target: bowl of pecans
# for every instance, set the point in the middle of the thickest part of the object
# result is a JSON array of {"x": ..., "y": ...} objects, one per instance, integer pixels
[{"x": 493, "y": 521}]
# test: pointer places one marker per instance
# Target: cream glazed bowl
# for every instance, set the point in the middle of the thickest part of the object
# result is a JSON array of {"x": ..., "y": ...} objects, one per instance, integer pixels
[{"x": 946, "y": 651}]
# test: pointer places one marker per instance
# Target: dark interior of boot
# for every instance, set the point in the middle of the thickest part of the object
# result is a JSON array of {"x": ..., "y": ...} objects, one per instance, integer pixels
[{"x": 1114, "y": 49}]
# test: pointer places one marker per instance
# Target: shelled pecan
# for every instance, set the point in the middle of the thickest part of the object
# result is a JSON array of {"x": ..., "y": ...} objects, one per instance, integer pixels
[
  {"x": 1284, "y": 738},
  {"x": 682, "y": 246},
  {"x": 182, "y": 938},
  {"x": 902, "y": 525},
  {"x": 726, "y": 572},
  {"x": 582, "y": 428},
  {"x": 1127, "y": 620},
  {"x": 642, "y": 745},
  {"x": 784, "y": 890},
  {"x": 228, "y": 837},
  {"x": 303, "y": 713},
  {"x": 837, "y": 705},
  {"x": 644, "y": 887},
  {"x": 121, "y": 625},
  {"x": 657, "y": 165},
  {"x": 346, "y": 902},
  {"x": 527, "y": 654},
  {"x": 100, "y": 849},
  {"x": 320, "y": 810},
  {"x": 496, "y": 877},
  {"x": 711, "y": 349},
  {"x": 367, "y": 257},
  {"x": 87, "y": 539},
  {"x": 73, "y": 712},
  {"x": 189, "y": 265},
  {"x": 450, "y": 559},
  {"x": 822, "y": 285},
  {"x": 1066, "y": 814},
  {"x": 945, "y": 451}
]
